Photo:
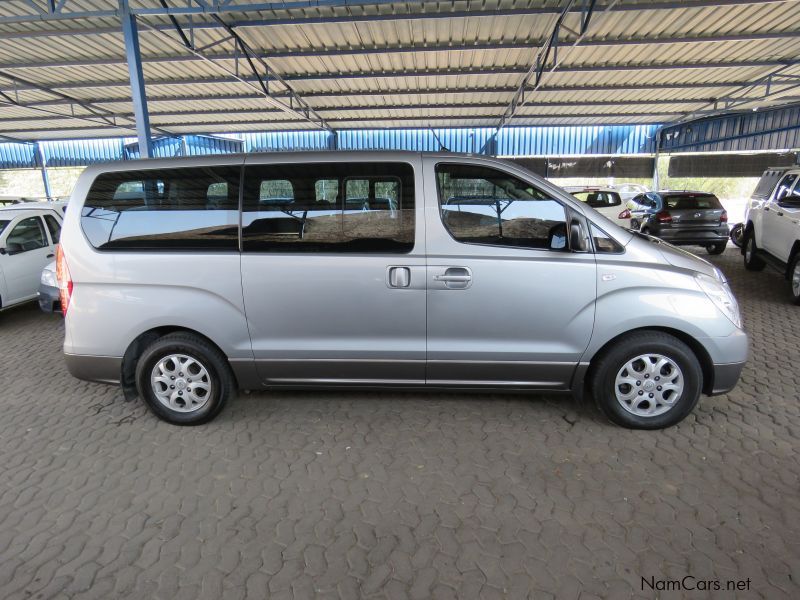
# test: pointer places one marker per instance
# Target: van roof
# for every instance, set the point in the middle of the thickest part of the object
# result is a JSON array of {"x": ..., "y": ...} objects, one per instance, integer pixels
[{"x": 305, "y": 155}]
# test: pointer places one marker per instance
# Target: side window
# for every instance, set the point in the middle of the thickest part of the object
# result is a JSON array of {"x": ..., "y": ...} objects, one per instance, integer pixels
[
  {"x": 481, "y": 205},
  {"x": 54, "y": 227},
  {"x": 27, "y": 235},
  {"x": 785, "y": 186},
  {"x": 166, "y": 209},
  {"x": 329, "y": 207}
]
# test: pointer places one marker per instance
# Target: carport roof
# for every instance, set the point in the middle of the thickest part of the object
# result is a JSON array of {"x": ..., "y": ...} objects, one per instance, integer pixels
[{"x": 63, "y": 69}]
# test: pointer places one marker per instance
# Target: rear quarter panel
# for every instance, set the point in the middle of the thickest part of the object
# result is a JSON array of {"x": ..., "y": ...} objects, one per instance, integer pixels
[{"x": 119, "y": 295}]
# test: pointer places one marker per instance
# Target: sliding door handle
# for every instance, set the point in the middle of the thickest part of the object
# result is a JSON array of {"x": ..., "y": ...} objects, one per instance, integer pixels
[{"x": 454, "y": 278}]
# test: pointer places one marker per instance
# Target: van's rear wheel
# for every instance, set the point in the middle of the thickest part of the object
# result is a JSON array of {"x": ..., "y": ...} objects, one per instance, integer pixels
[
  {"x": 752, "y": 261},
  {"x": 647, "y": 380},
  {"x": 184, "y": 379},
  {"x": 716, "y": 248}
]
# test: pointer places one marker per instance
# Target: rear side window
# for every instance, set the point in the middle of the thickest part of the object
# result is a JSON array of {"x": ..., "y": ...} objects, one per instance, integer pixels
[
  {"x": 785, "y": 187},
  {"x": 329, "y": 207},
  {"x": 599, "y": 199},
  {"x": 3, "y": 225},
  {"x": 165, "y": 209},
  {"x": 766, "y": 184},
  {"x": 481, "y": 205},
  {"x": 54, "y": 227},
  {"x": 691, "y": 201}
]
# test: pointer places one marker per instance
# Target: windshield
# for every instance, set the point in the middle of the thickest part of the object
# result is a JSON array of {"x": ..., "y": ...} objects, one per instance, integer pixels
[
  {"x": 691, "y": 201},
  {"x": 3, "y": 225}
]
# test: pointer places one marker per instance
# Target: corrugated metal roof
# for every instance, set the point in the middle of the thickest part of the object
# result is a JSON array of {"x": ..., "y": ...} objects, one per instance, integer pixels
[
  {"x": 777, "y": 129},
  {"x": 394, "y": 64}
]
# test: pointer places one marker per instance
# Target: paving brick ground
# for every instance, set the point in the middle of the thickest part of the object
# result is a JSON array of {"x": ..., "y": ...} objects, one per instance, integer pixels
[{"x": 396, "y": 495}]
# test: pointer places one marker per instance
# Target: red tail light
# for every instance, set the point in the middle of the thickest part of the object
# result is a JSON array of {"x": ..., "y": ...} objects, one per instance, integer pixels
[
  {"x": 724, "y": 217},
  {"x": 664, "y": 217},
  {"x": 64, "y": 280},
  {"x": 625, "y": 214}
]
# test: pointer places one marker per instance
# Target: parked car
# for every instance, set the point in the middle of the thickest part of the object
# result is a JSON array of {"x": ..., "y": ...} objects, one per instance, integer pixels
[
  {"x": 28, "y": 236},
  {"x": 49, "y": 294},
  {"x": 628, "y": 191},
  {"x": 607, "y": 201},
  {"x": 772, "y": 226},
  {"x": 183, "y": 295},
  {"x": 682, "y": 218}
]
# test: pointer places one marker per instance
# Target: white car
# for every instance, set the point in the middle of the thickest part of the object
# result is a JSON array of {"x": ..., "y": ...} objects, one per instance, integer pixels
[
  {"x": 28, "y": 238},
  {"x": 605, "y": 200},
  {"x": 772, "y": 226},
  {"x": 628, "y": 191}
]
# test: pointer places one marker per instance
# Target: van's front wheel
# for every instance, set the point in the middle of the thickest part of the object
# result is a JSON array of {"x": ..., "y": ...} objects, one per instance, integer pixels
[
  {"x": 647, "y": 380},
  {"x": 184, "y": 379}
]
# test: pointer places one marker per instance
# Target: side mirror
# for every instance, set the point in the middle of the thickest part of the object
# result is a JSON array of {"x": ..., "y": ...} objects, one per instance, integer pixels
[
  {"x": 625, "y": 214},
  {"x": 13, "y": 248},
  {"x": 577, "y": 241},
  {"x": 792, "y": 201}
]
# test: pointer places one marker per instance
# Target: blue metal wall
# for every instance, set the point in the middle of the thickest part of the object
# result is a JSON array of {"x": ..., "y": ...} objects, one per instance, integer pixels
[
  {"x": 510, "y": 141},
  {"x": 776, "y": 129}
]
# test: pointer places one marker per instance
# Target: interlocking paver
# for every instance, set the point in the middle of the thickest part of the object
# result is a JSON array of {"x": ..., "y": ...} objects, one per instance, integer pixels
[{"x": 396, "y": 495}]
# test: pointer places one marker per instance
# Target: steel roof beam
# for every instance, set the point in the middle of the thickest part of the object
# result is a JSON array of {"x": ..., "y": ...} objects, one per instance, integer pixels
[
  {"x": 262, "y": 122},
  {"x": 385, "y": 107},
  {"x": 431, "y": 73},
  {"x": 419, "y": 91},
  {"x": 216, "y": 8},
  {"x": 333, "y": 52}
]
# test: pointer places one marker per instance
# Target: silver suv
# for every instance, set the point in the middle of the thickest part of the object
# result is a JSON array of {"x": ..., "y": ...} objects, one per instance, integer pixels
[{"x": 185, "y": 280}]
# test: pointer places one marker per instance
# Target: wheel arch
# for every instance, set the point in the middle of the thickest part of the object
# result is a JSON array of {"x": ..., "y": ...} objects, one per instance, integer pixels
[
  {"x": 138, "y": 345},
  {"x": 792, "y": 253},
  {"x": 703, "y": 357}
]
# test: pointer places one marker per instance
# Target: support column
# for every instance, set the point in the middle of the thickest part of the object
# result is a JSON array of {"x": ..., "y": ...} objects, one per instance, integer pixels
[
  {"x": 45, "y": 177},
  {"x": 656, "y": 183},
  {"x": 130, "y": 32}
]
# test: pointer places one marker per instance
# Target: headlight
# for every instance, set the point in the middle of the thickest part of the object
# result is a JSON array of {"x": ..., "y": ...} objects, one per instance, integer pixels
[
  {"x": 49, "y": 278},
  {"x": 719, "y": 292}
]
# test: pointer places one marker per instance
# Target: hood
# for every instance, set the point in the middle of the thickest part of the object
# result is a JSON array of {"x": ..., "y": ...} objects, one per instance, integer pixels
[{"x": 685, "y": 260}]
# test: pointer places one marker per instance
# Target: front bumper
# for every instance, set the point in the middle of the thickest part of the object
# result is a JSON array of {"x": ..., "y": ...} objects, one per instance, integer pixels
[
  {"x": 701, "y": 238},
  {"x": 726, "y": 377},
  {"x": 49, "y": 298},
  {"x": 102, "y": 369}
]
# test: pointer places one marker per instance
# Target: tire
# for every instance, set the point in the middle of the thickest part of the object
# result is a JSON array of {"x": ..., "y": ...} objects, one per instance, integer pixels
[
  {"x": 214, "y": 381},
  {"x": 681, "y": 368},
  {"x": 794, "y": 278},
  {"x": 752, "y": 262},
  {"x": 717, "y": 248}
]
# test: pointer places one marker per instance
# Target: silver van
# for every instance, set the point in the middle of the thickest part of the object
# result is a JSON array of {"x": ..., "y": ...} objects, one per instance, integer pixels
[{"x": 187, "y": 279}]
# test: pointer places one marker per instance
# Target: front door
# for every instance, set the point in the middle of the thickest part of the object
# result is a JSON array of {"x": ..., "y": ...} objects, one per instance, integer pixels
[
  {"x": 333, "y": 272},
  {"x": 28, "y": 251},
  {"x": 773, "y": 220},
  {"x": 508, "y": 303}
]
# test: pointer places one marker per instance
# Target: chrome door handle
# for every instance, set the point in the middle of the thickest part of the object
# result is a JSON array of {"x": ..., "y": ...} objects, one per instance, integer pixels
[
  {"x": 454, "y": 278},
  {"x": 399, "y": 277}
]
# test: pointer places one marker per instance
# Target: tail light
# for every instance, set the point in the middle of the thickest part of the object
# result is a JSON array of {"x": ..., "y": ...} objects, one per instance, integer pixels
[
  {"x": 724, "y": 217},
  {"x": 664, "y": 217},
  {"x": 625, "y": 214},
  {"x": 64, "y": 280}
]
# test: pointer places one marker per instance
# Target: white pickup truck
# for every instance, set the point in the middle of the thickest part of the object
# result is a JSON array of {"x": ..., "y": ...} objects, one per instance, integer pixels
[{"x": 772, "y": 225}]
